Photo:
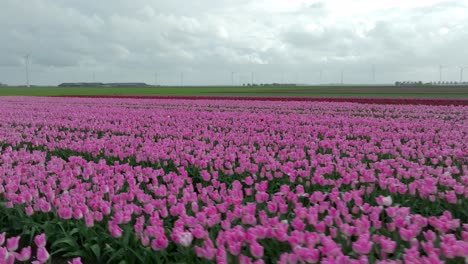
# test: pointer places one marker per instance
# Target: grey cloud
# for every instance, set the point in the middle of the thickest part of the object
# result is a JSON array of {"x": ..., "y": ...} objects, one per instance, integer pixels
[{"x": 70, "y": 39}]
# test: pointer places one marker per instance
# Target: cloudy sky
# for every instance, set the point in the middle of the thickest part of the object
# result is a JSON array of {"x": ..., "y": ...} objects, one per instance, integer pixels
[{"x": 207, "y": 40}]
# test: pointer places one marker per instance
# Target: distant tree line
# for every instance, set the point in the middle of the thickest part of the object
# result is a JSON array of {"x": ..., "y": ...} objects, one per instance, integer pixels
[
  {"x": 270, "y": 84},
  {"x": 420, "y": 83}
]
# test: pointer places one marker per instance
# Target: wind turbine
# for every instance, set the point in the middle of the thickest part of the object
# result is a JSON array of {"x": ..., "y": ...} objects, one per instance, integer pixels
[
  {"x": 156, "y": 78},
  {"x": 373, "y": 73},
  {"x": 252, "y": 78},
  {"x": 440, "y": 72},
  {"x": 320, "y": 76},
  {"x": 342, "y": 73},
  {"x": 232, "y": 78},
  {"x": 461, "y": 73},
  {"x": 181, "y": 79},
  {"x": 26, "y": 64}
]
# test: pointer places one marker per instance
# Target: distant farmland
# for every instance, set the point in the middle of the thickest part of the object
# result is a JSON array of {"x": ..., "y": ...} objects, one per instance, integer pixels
[{"x": 378, "y": 91}]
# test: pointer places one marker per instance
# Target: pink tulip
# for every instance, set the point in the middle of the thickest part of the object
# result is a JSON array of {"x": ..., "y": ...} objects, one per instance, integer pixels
[
  {"x": 75, "y": 261},
  {"x": 40, "y": 240},
  {"x": 42, "y": 254},
  {"x": 363, "y": 245},
  {"x": 185, "y": 238},
  {"x": 115, "y": 230},
  {"x": 29, "y": 210},
  {"x": 256, "y": 250},
  {"x": 24, "y": 255},
  {"x": 2, "y": 238},
  {"x": 159, "y": 243},
  {"x": 12, "y": 243},
  {"x": 384, "y": 200},
  {"x": 387, "y": 245},
  {"x": 3, "y": 255}
]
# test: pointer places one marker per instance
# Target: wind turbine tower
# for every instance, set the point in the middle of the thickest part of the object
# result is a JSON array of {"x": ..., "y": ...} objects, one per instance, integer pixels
[
  {"x": 342, "y": 73},
  {"x": 26, "y": 64},
  {"x": 461, "y": 73},
  {"x": 320, "y": 77},
  {"x": 440, "y": 72},
  {"x": 373, "y": 73},
  {"x": 232, "y": 78}
]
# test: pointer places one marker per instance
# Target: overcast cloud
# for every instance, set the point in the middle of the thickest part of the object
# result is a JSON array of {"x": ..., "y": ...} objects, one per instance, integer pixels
[{"x": 277, "y": 40}]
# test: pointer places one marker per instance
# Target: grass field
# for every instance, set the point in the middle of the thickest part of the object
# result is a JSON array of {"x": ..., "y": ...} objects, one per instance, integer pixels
[{"x": 384, "y": 91}]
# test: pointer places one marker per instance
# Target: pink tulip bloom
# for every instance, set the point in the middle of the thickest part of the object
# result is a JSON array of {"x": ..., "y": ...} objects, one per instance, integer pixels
[
  {"x": 256, "y": 250},
  {"x": 248, "y": 180},
  {"x": 3, "y": 255},
  {"x": 10, "y": 259},
  {"x": 363, "y": 245},
  {"x": 75, "y": 261},
  {"x": 221, "y": 256},
  {"x": 115, "y": 230},
  {"x": 89, "y": 220},
  {"x": 29, "y": 210},
  {"x": 245, "y": 260},
  {"x": 234, "y": 247},
  {"x": 407, "y": 234},
  {"x": 159, "y": 243},
  {"x": 2, "y": 238},
  {"x": 185, "y": 238},
  {"x": 42, "y": 254},
  {"x": 12, "y": 243},
  {"x": 40, "y": 240},
  {"x": 24, "y": 254},
  {"x": 387, "y": 245},
  {"x": 65, "y": 212},
  {"x": 384, "y": 200},
  {"x": 205, "y": 175}
]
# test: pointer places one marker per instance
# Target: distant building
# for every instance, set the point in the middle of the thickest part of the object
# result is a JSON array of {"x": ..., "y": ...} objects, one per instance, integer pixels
[
  {"x": 125, "y": 84},
  {"x": 98, "y": 84},
  {"x": 280, "y": 84},
  {"x": 80, "y": 84}
]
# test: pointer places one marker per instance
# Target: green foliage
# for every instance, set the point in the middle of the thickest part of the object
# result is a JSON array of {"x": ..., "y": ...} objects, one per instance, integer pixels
[{"x": 356, "y": 90}]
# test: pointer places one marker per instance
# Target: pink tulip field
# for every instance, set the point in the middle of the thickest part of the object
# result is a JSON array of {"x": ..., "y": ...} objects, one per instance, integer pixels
[{"x": 126, "y": 180}]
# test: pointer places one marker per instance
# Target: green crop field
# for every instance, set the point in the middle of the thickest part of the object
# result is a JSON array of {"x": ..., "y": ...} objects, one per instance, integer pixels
[{"x": 386, "y": 91}]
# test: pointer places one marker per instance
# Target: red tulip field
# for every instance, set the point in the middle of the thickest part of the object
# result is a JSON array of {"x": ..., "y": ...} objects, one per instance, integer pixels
[{"x": 175, "y": 180}]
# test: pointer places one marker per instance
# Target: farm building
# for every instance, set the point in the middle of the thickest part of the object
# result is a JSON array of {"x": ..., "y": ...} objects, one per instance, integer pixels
[
  {"x": 137, "y": 84},
  {"x": 98, "y": 84}
]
